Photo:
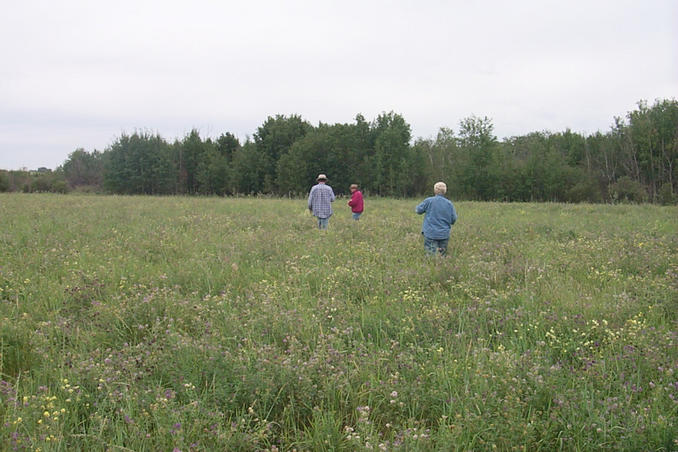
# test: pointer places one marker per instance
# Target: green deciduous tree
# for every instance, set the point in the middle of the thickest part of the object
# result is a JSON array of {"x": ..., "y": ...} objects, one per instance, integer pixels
[
  {"x": 82, "y": 168},
  {"x": 636, "y": 159},
  {"x": 477, "y": 140},
  {"x": 392, "y": 135},
  {"x": 274, "y": 139},
  {"x": 140, "y": 163},
  {"x": 249, "y": 169}
]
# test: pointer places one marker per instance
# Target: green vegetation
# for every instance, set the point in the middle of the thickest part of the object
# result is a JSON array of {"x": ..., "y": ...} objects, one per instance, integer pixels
[
  {"x": 635, "y": 161},
  {"x": 184, "y": 323}
]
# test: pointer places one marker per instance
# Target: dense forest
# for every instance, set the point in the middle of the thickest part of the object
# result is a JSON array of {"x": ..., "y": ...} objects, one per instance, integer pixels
[{"x": 636, "y": 161}]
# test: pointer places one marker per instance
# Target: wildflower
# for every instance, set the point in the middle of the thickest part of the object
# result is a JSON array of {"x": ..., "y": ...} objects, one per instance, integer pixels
[
  {"x": 175, "y": 428},
  {"x": 363, "y": 410}
]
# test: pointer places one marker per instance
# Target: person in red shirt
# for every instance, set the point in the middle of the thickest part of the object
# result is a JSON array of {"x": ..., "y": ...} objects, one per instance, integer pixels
[{"x": 356, "y": 202}]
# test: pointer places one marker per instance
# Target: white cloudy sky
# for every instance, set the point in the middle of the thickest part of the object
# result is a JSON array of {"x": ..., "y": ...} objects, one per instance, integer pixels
[{"x": 78, "y": 73}]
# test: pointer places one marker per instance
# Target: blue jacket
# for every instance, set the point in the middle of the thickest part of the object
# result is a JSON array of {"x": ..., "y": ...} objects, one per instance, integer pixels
[{"x": 440, "y": 216}]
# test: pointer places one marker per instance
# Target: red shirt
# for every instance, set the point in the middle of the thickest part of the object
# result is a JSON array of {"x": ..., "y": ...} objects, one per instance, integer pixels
[{"x": 356, "y": 202}]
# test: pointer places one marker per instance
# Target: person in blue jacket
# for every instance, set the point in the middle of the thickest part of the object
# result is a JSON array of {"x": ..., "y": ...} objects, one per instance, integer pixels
[{"x": 440, "y": 216}]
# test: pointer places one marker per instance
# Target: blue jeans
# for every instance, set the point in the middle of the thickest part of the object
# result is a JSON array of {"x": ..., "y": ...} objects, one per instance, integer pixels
[
  {"x": 356, "y": 215},
  {"x": 323, "y": 223},
  {"x": 434, "y": 246}
]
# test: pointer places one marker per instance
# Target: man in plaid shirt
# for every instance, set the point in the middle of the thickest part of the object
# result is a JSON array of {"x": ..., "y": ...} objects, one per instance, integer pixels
[{"x": 319, "y": 201}]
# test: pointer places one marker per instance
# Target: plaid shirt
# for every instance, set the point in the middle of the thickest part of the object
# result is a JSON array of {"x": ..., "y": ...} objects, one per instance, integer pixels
[{"x": 320, "y": 199}]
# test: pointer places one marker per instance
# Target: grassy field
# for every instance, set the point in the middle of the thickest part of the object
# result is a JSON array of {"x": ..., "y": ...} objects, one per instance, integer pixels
[{"x": 141, "y": 323}]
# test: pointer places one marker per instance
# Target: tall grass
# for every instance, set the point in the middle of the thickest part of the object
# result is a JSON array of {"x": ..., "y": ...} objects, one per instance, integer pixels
[{"x": 141, "y": 323}]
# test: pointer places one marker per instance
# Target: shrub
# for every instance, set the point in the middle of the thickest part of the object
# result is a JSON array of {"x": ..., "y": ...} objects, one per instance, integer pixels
[
  {"x": 665, "y": 195},
  {"x": 4, "y": 181},
  {"x": 59, "y": 186},
  {"x": 88, "y": 189},
  {"x": 628, "y": 190},
  {"x": 583, "y": 191},
  {"x": 40, "y": 184}
]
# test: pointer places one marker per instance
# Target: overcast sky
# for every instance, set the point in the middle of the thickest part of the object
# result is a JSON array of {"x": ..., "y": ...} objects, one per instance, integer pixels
[{"x": 78, "y": 73}]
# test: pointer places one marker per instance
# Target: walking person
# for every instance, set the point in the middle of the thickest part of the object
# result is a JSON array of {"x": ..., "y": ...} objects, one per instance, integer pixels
[
  {"x": 320, "y": 201},
  {"x": 440, "y": 216},
  {"x": 356, "y": 202}
]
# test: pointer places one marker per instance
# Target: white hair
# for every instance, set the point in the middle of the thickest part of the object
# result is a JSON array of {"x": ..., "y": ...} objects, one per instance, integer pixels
[{"x": 440, "y": 188}]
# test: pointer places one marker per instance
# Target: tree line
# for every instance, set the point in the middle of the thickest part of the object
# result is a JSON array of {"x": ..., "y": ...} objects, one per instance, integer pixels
[{"x": 636, "y": 160}]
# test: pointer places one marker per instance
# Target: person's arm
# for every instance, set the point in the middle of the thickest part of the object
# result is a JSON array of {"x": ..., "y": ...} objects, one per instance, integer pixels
[
  {"x": 354, "y": 199},
  {"x": 421, "y": 208},
  {"x": 332, "y": 198},
  {"x": 454, "y": 215},
  {"x": 310, "y": 199}
]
